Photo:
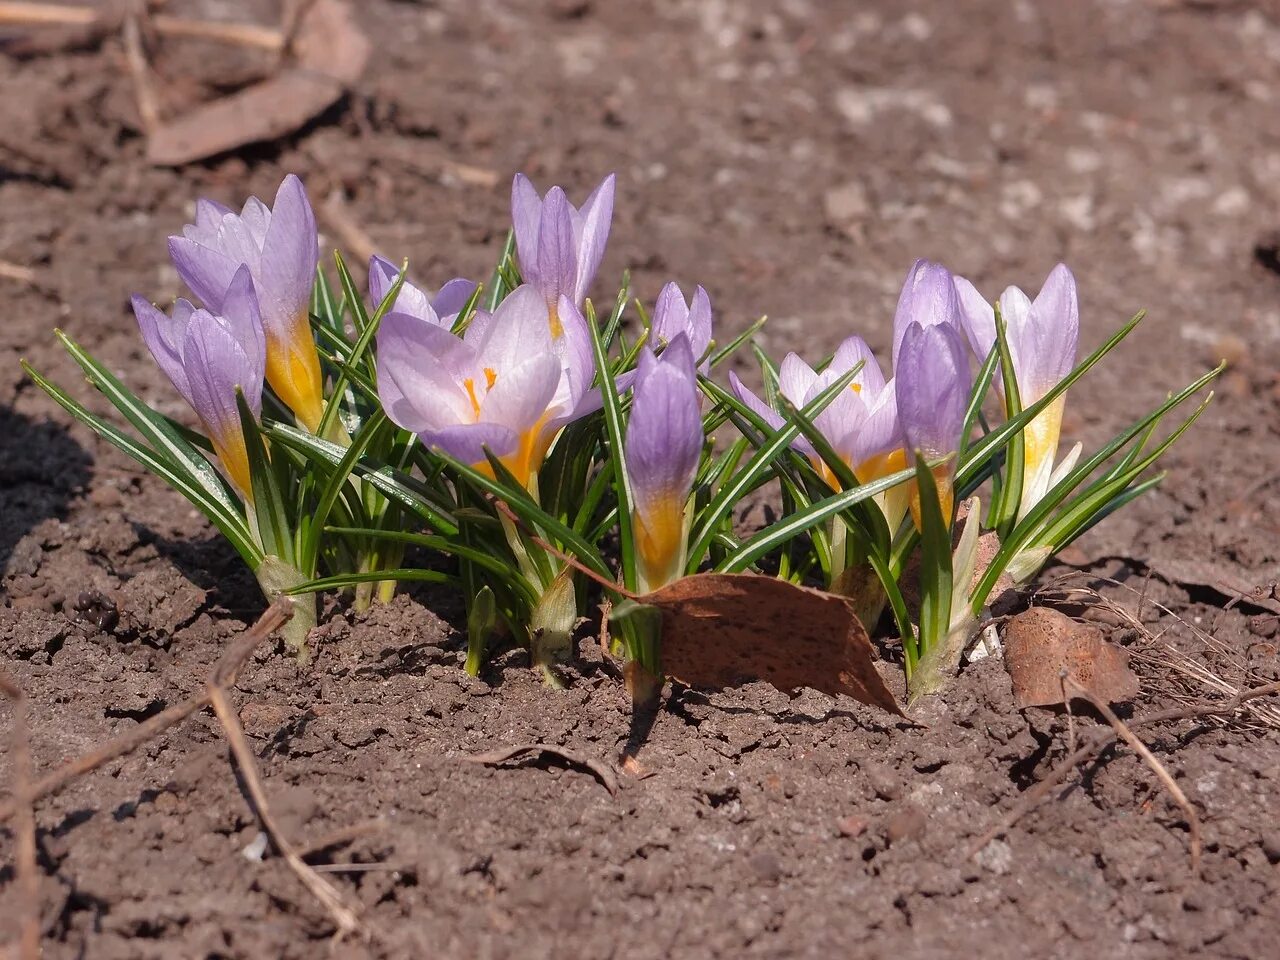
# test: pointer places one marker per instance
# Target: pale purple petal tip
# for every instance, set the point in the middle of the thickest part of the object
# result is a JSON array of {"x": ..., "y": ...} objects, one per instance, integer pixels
[
  {"x": 932, "y": 384},
  {"x": 928, "y": 297}
]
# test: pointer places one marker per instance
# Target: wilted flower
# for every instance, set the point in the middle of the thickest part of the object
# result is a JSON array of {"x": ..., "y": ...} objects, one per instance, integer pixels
[
  {"x": 1042, "y": 335},
  {"x": 560, "y": 245},
  {"x": 442, "y": 309},
  {"x": 932, "y": 382},
  {"x": 663, "y": 445},
  {"x": 505, "y": 385},
  {"x": 672, "y": 316},
  {"x": 208, "y": 356},
  {"x": 280, "y": 247}
]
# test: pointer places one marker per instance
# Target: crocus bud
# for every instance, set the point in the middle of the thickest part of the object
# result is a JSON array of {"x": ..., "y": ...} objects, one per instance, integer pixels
[
  {"x": 559, "y": 245},
  {"x": 928, "y": 298},
  {"x": 442, "y": 309},
  {"x": 209, "y": 356},
  {"x": 280, "y": 247},
  {"x": 663, "y": 446},
  {"x": 932, "y": 384},
  {"x": 672, "y": 315},
  {"x": 1043, "y": 336},
  {"x": 861, "y": 424}
]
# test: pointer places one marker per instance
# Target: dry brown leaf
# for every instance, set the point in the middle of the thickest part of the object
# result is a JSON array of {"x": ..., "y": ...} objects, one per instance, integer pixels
[
  {"x": 1040, "y": 643},
  {"x": 331, "y": 53},
  {"x": 264, "y": 111},
  {"x": 721, "y": 628}
]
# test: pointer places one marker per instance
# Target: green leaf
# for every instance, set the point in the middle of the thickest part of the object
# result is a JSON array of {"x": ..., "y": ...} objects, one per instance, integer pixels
[
  {"x": 1005, "y": 506},
  {"x": 524, "y": 507},
  {"x": 617, "y": 451},
  {"x": 755, "y": 470},
  {"x": 396, "y": 485},
  {"x": 268, "y": 504},
  {"x": 229, "y": 521},
  {"x": 777, "y": 534},
  {"x": 935, "y": 569},
  {"x": 372, "y": 576},
  {"x": 724, "y": 353},
  {"x": 997, "y": 439},
  {"x": 165, "y": 440}
]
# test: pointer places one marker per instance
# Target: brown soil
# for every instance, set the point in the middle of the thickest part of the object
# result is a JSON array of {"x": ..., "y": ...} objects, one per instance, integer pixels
[{"x": 792, "y": 158}]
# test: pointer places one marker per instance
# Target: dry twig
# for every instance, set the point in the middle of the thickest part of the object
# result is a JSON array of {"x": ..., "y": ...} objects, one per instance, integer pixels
[
  {"x": 320, "y": 888},
  {"x": 608, "y": 779},
  {"x": 1128, "y": 736},
  {"x": 140, "y": 70},
  {"x": 1035, "y": 795},
  {"x": 225, "y": 673},
  {"x": 25, "y": 868}
]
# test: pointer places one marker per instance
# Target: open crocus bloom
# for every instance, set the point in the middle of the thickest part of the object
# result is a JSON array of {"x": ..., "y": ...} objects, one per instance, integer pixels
[
  {"x": 442, "y": 309},
  {"x": 672, "y": 316},
  {"x": 506, "y": 385},
  {"x": 1043, "y": 336},
  {"x": 861, "y": 424},
  {"x": 560, "y": 245},
  {"x": 932, "y": 382},
  {"x": 208, "y": 357},
  {"x": 280, "y": 247},
  {"x": 663, "y": 445}
]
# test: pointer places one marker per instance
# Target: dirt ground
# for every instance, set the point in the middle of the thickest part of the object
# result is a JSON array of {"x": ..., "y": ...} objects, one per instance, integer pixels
[{"x": 792, "y": 157}]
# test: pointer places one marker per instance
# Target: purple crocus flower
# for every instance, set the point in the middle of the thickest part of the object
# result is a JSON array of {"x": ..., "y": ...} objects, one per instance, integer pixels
[
  {"x": 861, "y": 424},
  {"x": 505, "y": 385},
  {"x": 928, "y": 298},
  {"x": 560, "y": 245},
  {"x": 673, "y": 315},
  {"x": 207, "y": 356},
  {"x": 932, "y": 383},
  {"x": 1043, "y": 336},
  {"x": 442, "y": 309},
  {"x": 280, "y": 247},
  {"x": 663, "y": 446}
]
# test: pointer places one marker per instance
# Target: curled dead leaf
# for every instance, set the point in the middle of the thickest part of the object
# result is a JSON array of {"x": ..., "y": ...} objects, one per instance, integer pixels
[
  {"x": 330, "y": 53},
  {"x": 1040, "y": 643},
  {"x": 719, "y": 629}
]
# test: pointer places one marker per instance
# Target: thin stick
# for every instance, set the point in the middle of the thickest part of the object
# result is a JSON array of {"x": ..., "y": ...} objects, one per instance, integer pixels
[
  {"x": 47, "y": 14},
  {"x": 320, "y": 888},
  {"x": 227, "y": 670},
  {"x": 136, "y": 57},
  {"x": 239, "y": 34},
  {"x": 59, "y": 15},
  {"x": 15, "y": 271},
  {"x": 1175, "y": 791},
  {"x": 1033, "y": 796},
  {"x": 25, "y": 868},
  {"x": 351, "y": 235}
]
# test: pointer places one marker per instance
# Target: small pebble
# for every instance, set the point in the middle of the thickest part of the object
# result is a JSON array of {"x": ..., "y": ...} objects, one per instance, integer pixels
[{"x": 905, "y": 823}]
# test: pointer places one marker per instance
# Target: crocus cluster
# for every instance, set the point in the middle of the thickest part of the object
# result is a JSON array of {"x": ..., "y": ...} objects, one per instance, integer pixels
[{"x": 540, "y": 446}]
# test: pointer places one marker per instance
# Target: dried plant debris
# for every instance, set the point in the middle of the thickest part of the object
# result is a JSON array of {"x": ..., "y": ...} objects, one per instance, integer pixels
[
  {"x": 720, "y": 629},
  {"x": 1042, "y": 646}
]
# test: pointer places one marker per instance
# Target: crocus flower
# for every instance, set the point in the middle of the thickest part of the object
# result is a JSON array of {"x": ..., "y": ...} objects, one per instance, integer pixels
[
  {"x": 559, "y": 245},
  {"x": 208, "y": 356},
  {"x": 280, "y": 247},
  {"x": 1043, "y": 335},
  {"x": 663, "y": 445},
  {"x": 932, "y": 383},
  {"x": 672, "y": 315},
  {"x": 505, "y": 385},
  {"x": 443, "y": 308},
  {"x": 928, "y": 298},
  {"x": 860, "y": 424}
]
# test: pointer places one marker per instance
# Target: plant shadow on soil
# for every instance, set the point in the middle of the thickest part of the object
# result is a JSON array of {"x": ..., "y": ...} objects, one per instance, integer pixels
[{"x": 41, "y": 469}]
